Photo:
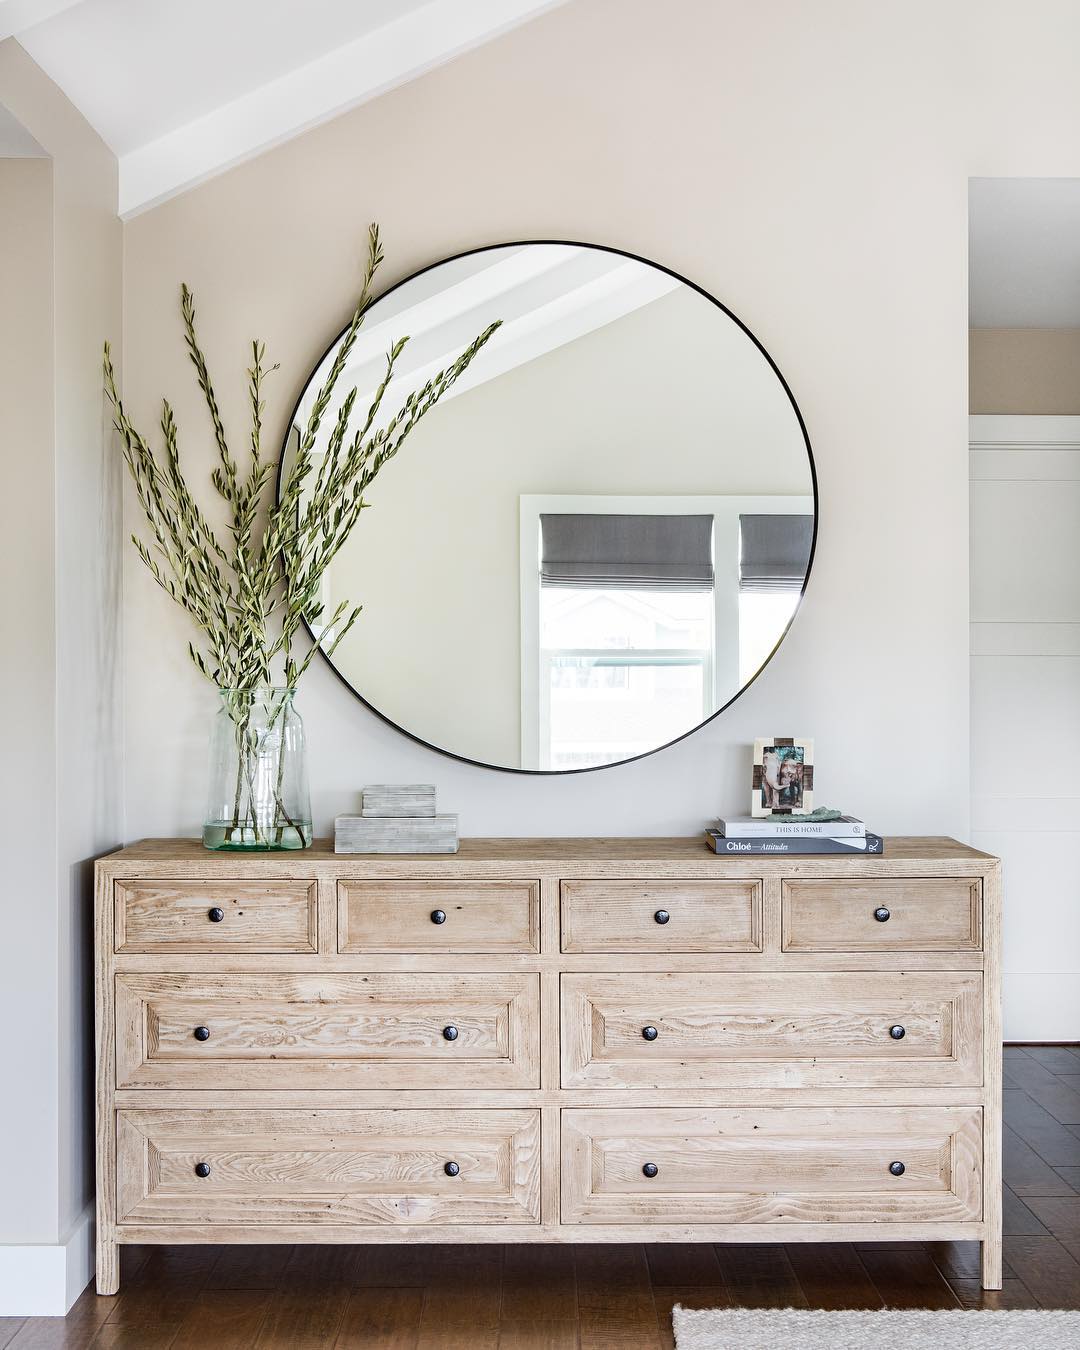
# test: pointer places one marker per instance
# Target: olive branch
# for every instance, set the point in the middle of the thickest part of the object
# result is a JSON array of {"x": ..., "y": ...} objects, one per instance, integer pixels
[{"x": 248, "y": 596}]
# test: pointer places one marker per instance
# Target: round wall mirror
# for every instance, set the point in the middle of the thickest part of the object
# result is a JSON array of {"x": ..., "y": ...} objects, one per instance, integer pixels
[{"x": 598, "y": 538}]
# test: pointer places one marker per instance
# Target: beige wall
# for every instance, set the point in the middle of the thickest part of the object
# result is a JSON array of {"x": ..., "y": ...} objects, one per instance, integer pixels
[
  {"x": 806, "y": 164},
  {"x": 28, "y": 957},
  {"x": 1024, "y": 370},
  {"x": 70, "y": 579}
]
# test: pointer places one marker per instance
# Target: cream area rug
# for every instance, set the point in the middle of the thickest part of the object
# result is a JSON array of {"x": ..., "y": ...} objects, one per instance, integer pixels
[{"x": 796, "y": 1329}]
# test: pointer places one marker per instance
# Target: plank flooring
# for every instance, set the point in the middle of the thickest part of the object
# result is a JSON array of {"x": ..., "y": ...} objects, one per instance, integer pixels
[{"x": 591, "y": 1297}]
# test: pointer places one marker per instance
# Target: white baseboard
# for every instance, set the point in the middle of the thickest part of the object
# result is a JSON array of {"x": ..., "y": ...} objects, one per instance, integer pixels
[{"x": 43, "y": 1279}]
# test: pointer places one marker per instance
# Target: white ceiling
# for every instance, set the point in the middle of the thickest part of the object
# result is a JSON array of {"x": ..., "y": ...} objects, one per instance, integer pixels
[
  {"x": 182, "y": 89},
  {"x": 1024, "y": 261}
]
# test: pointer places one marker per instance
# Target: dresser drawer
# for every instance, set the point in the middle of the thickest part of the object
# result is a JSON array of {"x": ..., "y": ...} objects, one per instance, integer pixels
[
  {"x": 661, "y": 916},
  {"x": 322, "y": 1166},
  {"x": 321, "y": 1031},
  {"x": 772, "y": 1165},
  {"x": 683, "y": 1030},
  {"x": 439, "y": 916},
  {"x": 890, "y": 915},
  {"x": 216, "y": 916}
]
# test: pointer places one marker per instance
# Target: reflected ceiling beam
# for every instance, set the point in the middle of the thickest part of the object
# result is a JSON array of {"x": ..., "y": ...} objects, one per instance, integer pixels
[
  {"x": 545, "y": 295},
  {"x": 418, "y": 41},
  {"x": 16, "y": 16}
]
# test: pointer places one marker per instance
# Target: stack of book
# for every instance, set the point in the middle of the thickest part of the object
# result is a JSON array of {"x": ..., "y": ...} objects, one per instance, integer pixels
[
  {"x": 397, "y": 818},
  {"x": 774, "y": 834}
]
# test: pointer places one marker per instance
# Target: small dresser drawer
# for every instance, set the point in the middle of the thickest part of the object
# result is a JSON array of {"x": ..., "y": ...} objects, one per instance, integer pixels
[
  {"x": 661, "y": 916},
  {"x": 686, "y": 1030},
  {"x": 890, "y": 915},
  {"x": 772, "y": 1165},
  {"x": 216, "y": 916},
  {"x": 328, "y": 1167},
  {"x": 327, "y": 1030},
  {"x": 439, "y": 916}
]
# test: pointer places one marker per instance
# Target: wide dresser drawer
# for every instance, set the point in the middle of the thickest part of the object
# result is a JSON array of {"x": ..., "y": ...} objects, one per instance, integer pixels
[
  {"x": 438, "y": 916},
  {"x": 328, "y": 1166},
  {"x": 661, "y": 916},
  {"x": 772, "y": 1165},
  {"x": 886, "y": 915},
  {"x": 327, "y": 1030},
  {"x": 216, "y": 916},
  {"x": 778, "y": 1029}
]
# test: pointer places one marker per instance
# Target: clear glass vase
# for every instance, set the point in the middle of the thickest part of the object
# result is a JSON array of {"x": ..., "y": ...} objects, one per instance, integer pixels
[{"x": 258, "y": 795}]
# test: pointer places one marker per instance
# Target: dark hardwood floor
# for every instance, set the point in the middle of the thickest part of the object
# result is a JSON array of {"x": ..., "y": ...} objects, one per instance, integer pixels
[{"x": 591, "y": 1297}]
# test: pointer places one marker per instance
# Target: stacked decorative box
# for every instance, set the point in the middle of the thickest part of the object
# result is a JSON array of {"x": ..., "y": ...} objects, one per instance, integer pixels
[{"x": 397, "y": 818}]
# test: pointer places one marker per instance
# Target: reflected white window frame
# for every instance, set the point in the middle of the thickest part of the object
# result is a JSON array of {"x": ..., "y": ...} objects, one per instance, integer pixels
[{"x": 722, "y": 682}]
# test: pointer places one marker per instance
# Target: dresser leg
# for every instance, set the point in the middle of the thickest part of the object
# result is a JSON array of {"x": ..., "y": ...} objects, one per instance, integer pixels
[
  {"x": 991, "y": 1262},
  {"x": 108, "y": 1266}
]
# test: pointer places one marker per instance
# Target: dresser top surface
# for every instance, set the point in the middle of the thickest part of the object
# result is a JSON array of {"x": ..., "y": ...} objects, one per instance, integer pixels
[{"x": 689, "y": 855}]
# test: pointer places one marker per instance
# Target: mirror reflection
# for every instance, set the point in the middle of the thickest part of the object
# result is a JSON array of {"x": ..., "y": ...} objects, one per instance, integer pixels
[{"x": 597, "y": 538}]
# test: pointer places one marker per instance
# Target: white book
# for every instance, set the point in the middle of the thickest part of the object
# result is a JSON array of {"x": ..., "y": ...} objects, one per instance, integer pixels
[{"x": 767, "y": 827}]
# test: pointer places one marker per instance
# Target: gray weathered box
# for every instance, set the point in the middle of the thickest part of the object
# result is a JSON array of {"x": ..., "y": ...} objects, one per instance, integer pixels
[
  {"x": 415, "y": 834},
  {"x": 382, "y": 800}
]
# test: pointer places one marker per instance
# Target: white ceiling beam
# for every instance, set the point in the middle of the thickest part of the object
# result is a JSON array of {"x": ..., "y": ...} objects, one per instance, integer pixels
[
  {"x": 399, "y": 51},
  {"x": 16, "y": 16}
]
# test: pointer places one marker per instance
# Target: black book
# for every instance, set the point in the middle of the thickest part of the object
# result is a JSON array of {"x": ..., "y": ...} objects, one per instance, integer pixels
[{"x": 794, "y": 845}]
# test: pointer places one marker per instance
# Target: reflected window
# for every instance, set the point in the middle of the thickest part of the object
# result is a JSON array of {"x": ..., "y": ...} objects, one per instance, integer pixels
[
  {"x": 763, "y": 620},
  {"x": 626, "y": 632},
  {"x": 621, "y": 670},
  {"x": 774, "y": 556},
  {"x": 641, "y": 616}
]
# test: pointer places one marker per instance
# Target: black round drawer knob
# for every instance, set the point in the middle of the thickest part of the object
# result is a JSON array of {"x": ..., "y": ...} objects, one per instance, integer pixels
[
  {"x": 202, "y": 1169},
  {"x": 662, "y": 916},
  {"x": 897, "y": 1169},
  {"x": 650, "y": 1033},
  {"x": 650, "y": 1169},
  {"x": 450, "y": 1033},
  {"x": 215, "y": 915},
  {"x": 897, "y": 1032},
  {"x": 438, "y": 916},
  {"x": 202, "y": 1033},
  {"x": 451, "y": 1169},
  {"x": 881, "y": 914}
]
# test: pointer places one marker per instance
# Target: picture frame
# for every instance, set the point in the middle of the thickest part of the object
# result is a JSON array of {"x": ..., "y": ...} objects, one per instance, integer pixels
[{"x": 783, "y": 780}]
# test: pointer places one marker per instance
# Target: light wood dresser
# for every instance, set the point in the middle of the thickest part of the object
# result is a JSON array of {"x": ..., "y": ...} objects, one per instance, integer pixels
[{"x": 548, "y": 1040}]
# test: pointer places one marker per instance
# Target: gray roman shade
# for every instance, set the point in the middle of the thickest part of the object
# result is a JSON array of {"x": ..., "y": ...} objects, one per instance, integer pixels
[
  {"x": 671, "y": 553},
  {"x": 774, "y": 552}
]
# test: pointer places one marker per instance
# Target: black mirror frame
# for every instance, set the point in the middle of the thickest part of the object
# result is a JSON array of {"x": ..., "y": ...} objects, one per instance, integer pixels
[{"x": 648, "y": 262}]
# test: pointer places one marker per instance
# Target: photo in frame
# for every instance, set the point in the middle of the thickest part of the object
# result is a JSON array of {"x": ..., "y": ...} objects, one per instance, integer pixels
[{"x": 783, "y": 776}]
